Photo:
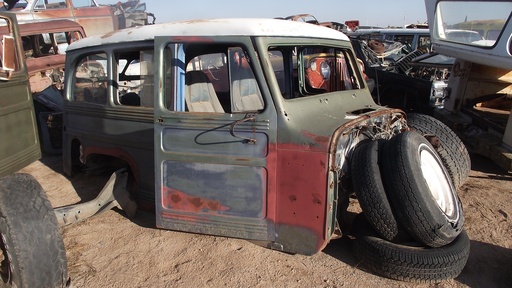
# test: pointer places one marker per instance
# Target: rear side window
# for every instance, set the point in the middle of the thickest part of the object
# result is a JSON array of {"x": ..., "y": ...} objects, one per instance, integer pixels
[
  {"x": 135, "y": 80},
  {"x": 91, "y": 79}
]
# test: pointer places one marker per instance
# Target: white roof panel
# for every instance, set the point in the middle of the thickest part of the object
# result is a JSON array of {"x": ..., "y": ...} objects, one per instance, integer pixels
[{"x": 213, "y": 27}]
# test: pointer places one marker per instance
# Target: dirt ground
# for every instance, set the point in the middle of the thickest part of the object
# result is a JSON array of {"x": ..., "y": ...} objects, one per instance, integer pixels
[{"x": 111, "y": 250}]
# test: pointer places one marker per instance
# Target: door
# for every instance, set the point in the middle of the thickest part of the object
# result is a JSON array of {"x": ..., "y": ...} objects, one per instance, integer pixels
[
  {"x": 51, "y": 10},
  {"x": 20, "y": 145},
  {"x": 214, "y": 130}
]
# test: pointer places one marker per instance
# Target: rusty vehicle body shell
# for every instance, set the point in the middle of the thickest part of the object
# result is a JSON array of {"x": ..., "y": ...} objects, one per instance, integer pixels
[
  {"x": 95, "y": 19},
  {"x": 268, "y": 168}
]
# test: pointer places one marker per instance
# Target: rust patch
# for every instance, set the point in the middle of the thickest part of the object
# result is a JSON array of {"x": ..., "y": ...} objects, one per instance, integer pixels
[
  {"x": 316, "y": 138},
  {"x": 316, "y": 199},
  {"x": 178, "y": 200},
  {"x": 322, "y": 139}
]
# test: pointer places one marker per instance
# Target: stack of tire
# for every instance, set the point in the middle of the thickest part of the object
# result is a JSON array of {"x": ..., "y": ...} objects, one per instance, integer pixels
[{"x": 411, "y": 227}]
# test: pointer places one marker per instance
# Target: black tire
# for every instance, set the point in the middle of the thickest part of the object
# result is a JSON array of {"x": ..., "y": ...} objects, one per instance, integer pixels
[
  {"x": 451, "y": 150},
  {"x": 31, "y": 244},
  {"x": 409, "y": 261},
  {"x": 420, "y": 190},
  {"x": 370, "y": 191}
]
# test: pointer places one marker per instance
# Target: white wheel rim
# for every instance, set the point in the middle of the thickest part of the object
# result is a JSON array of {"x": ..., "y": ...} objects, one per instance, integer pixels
[{"x": 439, "y": 185}]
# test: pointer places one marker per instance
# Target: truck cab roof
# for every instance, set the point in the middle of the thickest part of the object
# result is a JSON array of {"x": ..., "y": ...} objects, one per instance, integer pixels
[{"x": 214, "y": 27}]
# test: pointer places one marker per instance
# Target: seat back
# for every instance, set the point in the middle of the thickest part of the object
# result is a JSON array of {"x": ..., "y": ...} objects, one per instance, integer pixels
[
  {"x": 246, "y": 93},
  {"x": 200, "y": 95}
]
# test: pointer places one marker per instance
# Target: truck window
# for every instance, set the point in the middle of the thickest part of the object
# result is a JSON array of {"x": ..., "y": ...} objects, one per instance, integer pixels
[
  {"x": 50, "y": 4},
  {"x": 306, "y": 71},
  {"x": 83, "y": 3},
  {"x": 91, "y": 79},
  {"x": 216, "y": 80},
  {"x": 470, "y": 29},
  {"x": 38, "y": 45},
  {"x": 135, "y": 79},
  {"x": 404, "y": 39}
]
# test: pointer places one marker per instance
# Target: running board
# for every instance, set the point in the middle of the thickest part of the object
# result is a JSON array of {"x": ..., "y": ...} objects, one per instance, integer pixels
[{"x": 113, "y": 194}]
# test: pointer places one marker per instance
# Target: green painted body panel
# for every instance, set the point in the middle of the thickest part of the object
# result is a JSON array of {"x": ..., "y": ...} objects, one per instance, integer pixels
[{"x": 19, "y": 144}]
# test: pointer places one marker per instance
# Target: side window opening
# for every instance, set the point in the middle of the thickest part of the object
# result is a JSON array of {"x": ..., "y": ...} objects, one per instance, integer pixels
[
  {"x": 46, "y": 44},
  {"x": 40, "y": 45},
  {"x": 91, "y": 79},
  {"x": 83, "y": 3},
  {"x": 206, "y": 83},
  {"x": 135, "y": 79},
  {"x": 216, "y": 79},
  {"x": 312, "y": 70},
  {"x": 51, "y": 4}
]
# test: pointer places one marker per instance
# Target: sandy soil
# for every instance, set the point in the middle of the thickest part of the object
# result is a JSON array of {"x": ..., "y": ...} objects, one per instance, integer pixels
[{"x": 111, "y": 250}]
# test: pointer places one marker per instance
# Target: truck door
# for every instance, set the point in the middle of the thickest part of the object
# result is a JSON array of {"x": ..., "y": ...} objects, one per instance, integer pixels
[
  {"x": 53, "y": 9},
  {"x": 214, "y": 130},
  {"x": 19, "y": 145}
]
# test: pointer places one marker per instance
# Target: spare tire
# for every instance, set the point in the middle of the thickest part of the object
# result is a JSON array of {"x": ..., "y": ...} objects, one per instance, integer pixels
[
  {"x": 451, "y": 150},
  {"x": 420, "y": 190},
  {"x": 369, "y": 189},
  {"x": 31, "y": 244},
  {"x": 409, "y": 261}
]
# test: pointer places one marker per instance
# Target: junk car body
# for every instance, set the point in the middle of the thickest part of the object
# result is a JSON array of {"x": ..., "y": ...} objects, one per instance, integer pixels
[{"x": 239, "y": 131}]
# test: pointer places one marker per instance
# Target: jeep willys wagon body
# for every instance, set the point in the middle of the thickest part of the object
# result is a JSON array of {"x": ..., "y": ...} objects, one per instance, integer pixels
[{"x": 232, "y": 127}]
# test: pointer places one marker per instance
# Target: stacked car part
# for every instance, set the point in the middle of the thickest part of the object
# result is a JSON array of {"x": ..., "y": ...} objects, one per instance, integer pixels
[{"x": 412, "y": 229}]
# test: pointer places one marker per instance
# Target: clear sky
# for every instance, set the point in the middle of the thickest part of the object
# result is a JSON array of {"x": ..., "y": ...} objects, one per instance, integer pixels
[{"x": 369, "y": 12}]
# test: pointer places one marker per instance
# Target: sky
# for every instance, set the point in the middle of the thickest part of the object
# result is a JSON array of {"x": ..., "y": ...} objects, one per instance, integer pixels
[{"x": 369, "y": 12}]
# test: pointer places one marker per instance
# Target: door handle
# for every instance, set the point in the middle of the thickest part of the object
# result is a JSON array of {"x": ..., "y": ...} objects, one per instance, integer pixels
[{"x": 247, "y": 117}]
